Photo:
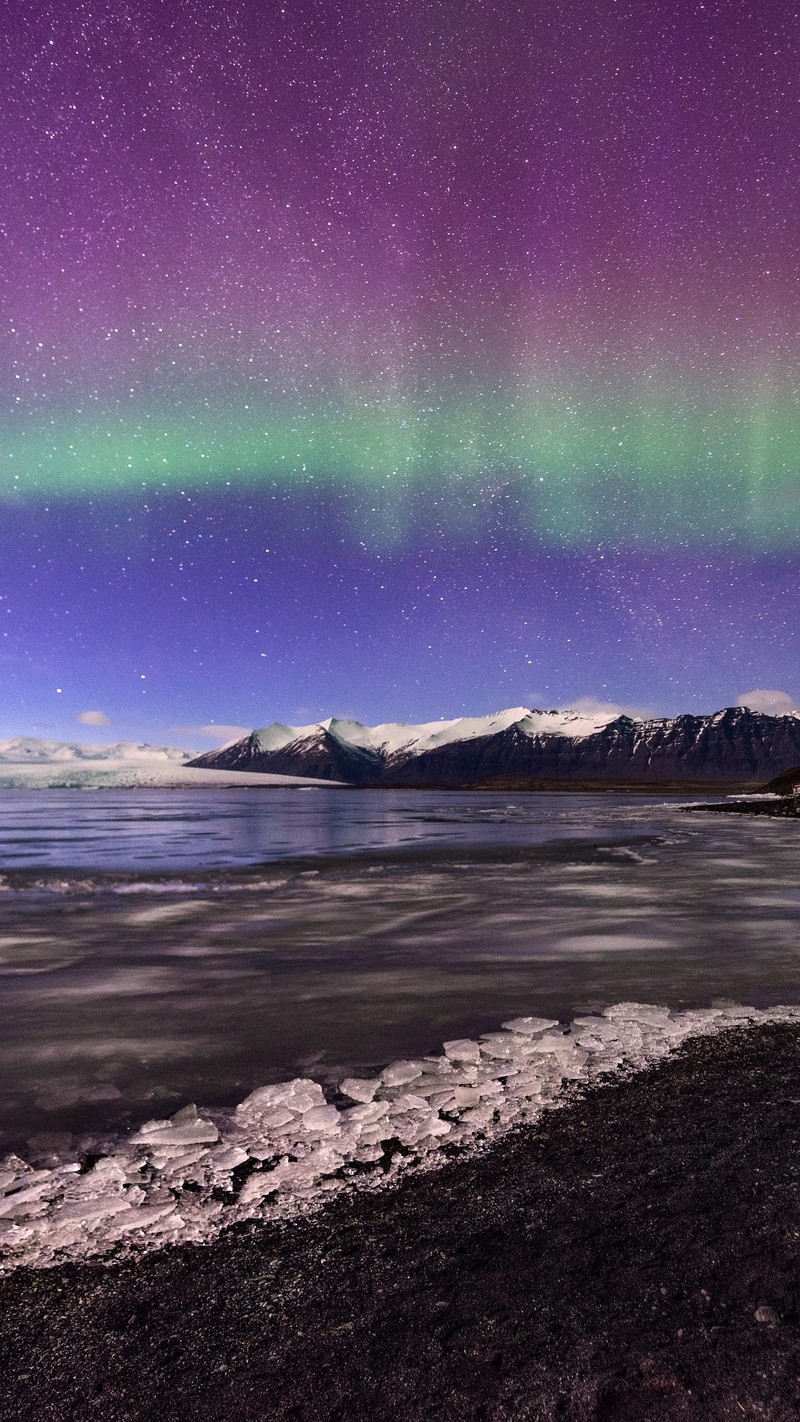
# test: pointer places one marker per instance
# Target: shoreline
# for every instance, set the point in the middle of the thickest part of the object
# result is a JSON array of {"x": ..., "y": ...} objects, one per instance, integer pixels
[
  {"x": 785, "y": 807},
  {"x": 289, "y": 1147},
  {"x": 634, "y": 1255},
  {"x": 257, "y": 780}
]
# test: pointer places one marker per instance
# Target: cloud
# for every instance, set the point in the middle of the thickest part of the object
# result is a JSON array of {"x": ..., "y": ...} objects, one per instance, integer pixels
[
  {"x": 217, "y": 733},
  {"x": 771, "y": 703},
  {"x": 93, "y": 718},
  {"x": 593, "y": 706}
]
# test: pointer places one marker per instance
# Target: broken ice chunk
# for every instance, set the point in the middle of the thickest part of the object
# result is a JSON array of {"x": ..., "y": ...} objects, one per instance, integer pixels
[
  {"x": 16, "y": 1180},
  {"x": 89, "y": 1209},
  {"x": 407, "y": 1102},
  {"x": 367, "y": 1111},
  {"x": 262, "y": 1183},
  {"x": 431, "y": 1085},
  {"x": 594, "y": 1034},
  {"x": 274, "y": 1117},
  {"x": 298, "y": 1095},
  {"x": 731, "y": 1012},
  {"x": 371, "y": 1134},
  {"x": 228, "y": 1157},
  {"x": 443, "y": 1100},
  {"x": 462, "y": 1050},
  {"x": 553, "y": 1042},
  {"x": 409, "y": 1127},
  {"x": 530, "y": 1079},
  {"x": 23, "y": 1202},
  {"x": 488, "y": 1086},
  {"x": 529, "y": 1026},
  {"x": 359, "y": 1088},
  {"x": 504, "y": 1046},
  {"x": 322, "y": 1120},
  {"x": 303, "y": 1101},
  {"x": 106, "y": 1174},
  {"x": 478, "y": 1116},
  {"x": 163, "y": 1133},
  {"x": 139, "y": 1217},
  {"x": 572, "y": 1066},
  {"x": 399, "y": 1073},
  {"x": 464, "y": 1075},
  {"x": 637, "y": 1012},
  {"x": 176, "y": 1159},
  {"x": 368, "y": 1154},
  {"x": 466, "y": 1096}
]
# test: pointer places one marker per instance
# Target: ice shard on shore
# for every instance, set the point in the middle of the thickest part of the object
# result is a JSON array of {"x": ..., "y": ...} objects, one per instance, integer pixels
[{"x": 285, "y": 1149}]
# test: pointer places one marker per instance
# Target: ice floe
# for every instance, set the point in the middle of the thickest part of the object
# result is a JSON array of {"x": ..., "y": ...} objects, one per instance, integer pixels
[{"x": 287, "y": 1148}]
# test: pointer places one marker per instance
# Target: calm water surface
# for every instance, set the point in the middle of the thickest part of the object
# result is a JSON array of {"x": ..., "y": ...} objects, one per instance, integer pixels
[
  {"x": 159, "y": 947},
  {"x": 196, "y": 830}
]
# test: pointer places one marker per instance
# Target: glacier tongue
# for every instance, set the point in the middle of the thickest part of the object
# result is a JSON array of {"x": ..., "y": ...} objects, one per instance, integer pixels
[{"x": 27, "y": 750}]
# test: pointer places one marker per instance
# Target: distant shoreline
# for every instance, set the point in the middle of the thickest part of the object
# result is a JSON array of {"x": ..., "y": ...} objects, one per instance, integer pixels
[{"x": 253, "y": 780}]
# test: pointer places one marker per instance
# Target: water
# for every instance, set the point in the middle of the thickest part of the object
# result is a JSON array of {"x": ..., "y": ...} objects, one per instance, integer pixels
[
  {"x": 157, "y": 948},
  {"x": 195, "y": 830}
]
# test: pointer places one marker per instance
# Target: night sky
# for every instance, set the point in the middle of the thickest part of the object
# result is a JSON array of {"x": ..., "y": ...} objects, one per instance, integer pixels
[{"x": 395, "y": 360}]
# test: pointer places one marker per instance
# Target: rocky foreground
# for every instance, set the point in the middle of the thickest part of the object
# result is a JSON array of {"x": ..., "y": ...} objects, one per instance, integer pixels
[
  {"x": 633, "y": 1256},
  {"x": 286, "y": 1149}
]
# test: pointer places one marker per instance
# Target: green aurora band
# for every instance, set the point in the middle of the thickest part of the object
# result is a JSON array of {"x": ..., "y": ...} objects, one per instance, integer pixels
[{"x": 660, "y": 474}]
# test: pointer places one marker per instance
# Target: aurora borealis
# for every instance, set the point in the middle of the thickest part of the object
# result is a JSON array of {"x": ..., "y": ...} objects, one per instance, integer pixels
[{"x": 396, "y": 360}]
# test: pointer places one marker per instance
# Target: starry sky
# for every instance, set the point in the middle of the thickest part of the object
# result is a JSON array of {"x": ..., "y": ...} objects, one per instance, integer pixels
[{"x": 395, "y": 360}]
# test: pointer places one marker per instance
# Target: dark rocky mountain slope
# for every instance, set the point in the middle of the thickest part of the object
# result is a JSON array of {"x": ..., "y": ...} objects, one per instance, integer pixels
[{"x": 786, "y": 784}]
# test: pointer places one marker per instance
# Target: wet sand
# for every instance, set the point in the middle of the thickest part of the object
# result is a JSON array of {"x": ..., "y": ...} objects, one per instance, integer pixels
[{"x": 633, "y": 1257}]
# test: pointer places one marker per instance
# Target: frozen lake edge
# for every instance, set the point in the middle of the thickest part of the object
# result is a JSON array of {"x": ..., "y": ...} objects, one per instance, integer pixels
[{"x": 286, "y": 1149}]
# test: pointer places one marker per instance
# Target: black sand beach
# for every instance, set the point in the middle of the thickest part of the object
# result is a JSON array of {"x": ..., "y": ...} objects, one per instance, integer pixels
[{"x": 634, "y": 1257}]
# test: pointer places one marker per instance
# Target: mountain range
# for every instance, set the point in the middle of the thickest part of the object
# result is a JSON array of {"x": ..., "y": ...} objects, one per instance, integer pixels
[{"x": 524, "y": 748}]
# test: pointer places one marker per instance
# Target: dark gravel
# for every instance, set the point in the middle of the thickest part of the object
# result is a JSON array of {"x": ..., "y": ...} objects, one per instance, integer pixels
[
  {"x": 635, "y": 1258},
  {"x": 787, "y": 808}
]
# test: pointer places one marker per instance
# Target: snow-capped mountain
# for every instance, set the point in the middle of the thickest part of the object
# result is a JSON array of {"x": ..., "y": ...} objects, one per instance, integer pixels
[
  {"x": 526, "y": 747},
  {"x": 347, "y": 750}
]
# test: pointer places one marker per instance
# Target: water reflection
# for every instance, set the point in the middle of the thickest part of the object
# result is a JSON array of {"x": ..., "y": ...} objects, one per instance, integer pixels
[{"x": 147, "y": 829}]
